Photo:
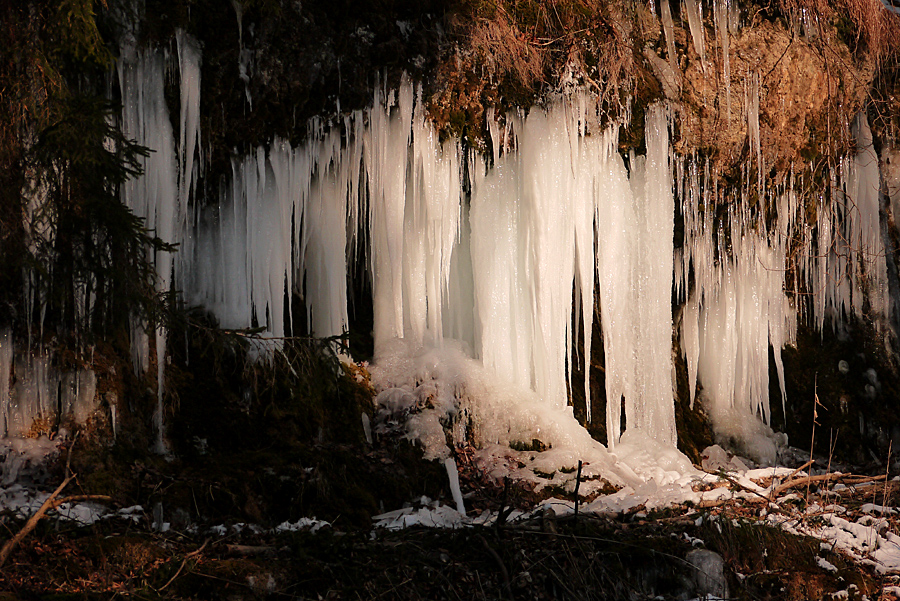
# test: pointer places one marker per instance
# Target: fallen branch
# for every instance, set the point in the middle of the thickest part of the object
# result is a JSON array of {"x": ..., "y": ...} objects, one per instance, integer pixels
[
  {"x": 51, "y": 502},
  {"x": 848, "y": 479},
  {"x": 32, "y": 522},
  {"x": 800, "y": 469},
  {"x": 247, "y": 550},
  {"x": 724, "y": 475}
]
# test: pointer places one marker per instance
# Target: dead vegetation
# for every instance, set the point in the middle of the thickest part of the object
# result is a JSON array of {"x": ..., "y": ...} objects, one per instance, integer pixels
[
  {"x": 869, "y": 28},
  {"x": 508, "y": 55}
]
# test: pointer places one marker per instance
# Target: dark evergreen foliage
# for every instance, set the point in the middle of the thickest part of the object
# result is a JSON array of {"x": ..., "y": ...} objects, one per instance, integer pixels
[{"x": 75, "y": 259}]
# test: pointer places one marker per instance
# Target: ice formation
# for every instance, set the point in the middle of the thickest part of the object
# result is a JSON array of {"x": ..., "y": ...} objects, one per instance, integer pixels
[
  {"x": 721, "y": 9},
  {"x": 732, "y": 276},
  {"x": 564, "y": 209},
  {"x": 488, "y": 250}
]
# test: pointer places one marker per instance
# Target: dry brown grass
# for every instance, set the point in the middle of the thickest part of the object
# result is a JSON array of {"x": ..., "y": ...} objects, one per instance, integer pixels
[
  {"x": 41, "y": 426},
  {"x": 504, "y": 49},
  {"x": 535, "y": 41}
]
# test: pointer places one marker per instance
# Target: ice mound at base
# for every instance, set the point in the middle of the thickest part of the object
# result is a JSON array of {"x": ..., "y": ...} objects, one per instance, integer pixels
[{"x": 431, "y": 392}]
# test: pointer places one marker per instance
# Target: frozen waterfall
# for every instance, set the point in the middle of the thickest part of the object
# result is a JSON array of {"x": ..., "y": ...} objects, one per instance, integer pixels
[{"x": 496, "y": 251}]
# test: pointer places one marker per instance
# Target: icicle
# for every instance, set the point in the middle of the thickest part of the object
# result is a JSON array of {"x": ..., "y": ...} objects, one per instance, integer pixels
[
  {"x": 189, "y": 60},
  {"x": 651, "y": 408},
  {"x": 160, "y": 195},
  {"x": 669, "y": 30},
  {"x": 721, "y": 20},
  {"x": 325, "y": 249},
  {"x": 694, "y": 10},
  {"x": 753, "y": 131},
  {"x": 34, "y": 394},
  {"x": 850, "y": 242},
  {"x": 453, "y": 476},
  {"x": 494, "y": 130},
  {"x": 862, "y": 187},
  {"x": 586, "y": 158},
  {"x": 245, "y": 55}
]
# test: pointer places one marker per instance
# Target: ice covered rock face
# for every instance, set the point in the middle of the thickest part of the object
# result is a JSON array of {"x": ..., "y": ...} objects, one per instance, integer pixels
[{"x": 41, "y": 396}]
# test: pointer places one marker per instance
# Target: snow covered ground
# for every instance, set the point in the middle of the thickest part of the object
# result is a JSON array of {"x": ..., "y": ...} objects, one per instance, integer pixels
[{"x": 441, "y": 397}]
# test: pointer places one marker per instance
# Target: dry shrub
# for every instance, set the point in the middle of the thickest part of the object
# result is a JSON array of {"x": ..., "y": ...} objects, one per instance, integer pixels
[
  {"x": 876, "y": 27},
  {"x": 41, "y": 426}
]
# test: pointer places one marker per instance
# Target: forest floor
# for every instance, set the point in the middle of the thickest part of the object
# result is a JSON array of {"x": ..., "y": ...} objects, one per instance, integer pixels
[{"x": 809, "y": 538}]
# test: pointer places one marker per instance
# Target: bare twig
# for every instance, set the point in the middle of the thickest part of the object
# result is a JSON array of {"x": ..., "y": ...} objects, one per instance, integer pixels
[
  {"x": 184, "y": 562},
  {"x": 503, "y": 571},
  {"x": 812, "y": 440},
  {"x": 577, "y": 486},
  {"x": 800, "y": 469},
  {"x": 887, "y": 470}
]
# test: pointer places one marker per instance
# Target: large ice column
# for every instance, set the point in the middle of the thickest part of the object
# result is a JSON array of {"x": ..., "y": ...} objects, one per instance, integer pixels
[
  {"x": 534, "y": 218},
  {"x": 736, "y": 310},
  {"x": 502, "y": 297},
  {"x": 547, "y": 180},
  {"x": 523, "y": 248},
  {"x": 414, "y": 210},
  {"x": 242, "y": 260},
  {"x": 160, "y": 195},
  {"x": 862, "y": 185},
  {"x": 385, "y": 154},
  {"x": 742, "y": 314},
  {"x": 324, "y": 244},
  {"x": 280, "y": 226},
  {"x": 152, "y": 196},
  {"x": 189, "y": 61},
  {"x": 847, "y": 253},
  {"x": 617, "y": 249},
  {"x": 431, "y": 227},
  {"x": 592, "y": 152},
  {"x": 216, "y": 274},
  {"x": 294, "y": 215},
  {"x": 650, "y": 407}
]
